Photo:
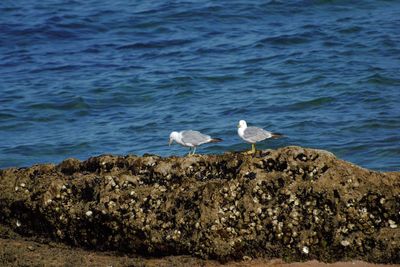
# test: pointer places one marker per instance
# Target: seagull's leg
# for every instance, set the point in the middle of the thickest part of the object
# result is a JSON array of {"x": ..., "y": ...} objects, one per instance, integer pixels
[
  {"x": 253, "y": 148},
  {"x": 190, "y": 150},
  {"x": 194, "y": 150}
]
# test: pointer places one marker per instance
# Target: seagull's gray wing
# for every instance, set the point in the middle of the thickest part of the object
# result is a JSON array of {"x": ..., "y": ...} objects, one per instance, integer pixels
[
  {"x": 195, "y": 138},
  {"x": 255, "y": 134}
]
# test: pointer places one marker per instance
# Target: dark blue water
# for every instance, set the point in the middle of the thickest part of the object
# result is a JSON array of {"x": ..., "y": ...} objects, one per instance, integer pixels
[{"x": 82, "y": 78}]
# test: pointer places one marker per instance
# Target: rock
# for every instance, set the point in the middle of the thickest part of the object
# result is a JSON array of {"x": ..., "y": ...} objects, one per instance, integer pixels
[
  {"x": 69, "y": 166},
  {"x": 294, "y": 203}
]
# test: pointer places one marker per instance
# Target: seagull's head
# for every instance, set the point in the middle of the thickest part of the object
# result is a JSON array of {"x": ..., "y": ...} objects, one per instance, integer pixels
[
  {"x": 173, "y": 137},
  {"x": 242, "y": 124}
]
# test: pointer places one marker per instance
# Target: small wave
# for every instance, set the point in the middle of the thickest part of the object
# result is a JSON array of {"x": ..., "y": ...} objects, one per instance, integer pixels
[
  {"x": 310, "y": 104},
  {"x": 144, "y": 128},
  {"x": 217, "y": 50},
  {"x": 255, "y": 60},
  {"x": 311, "y": 124},
  {"x": 46, "y": 149},
  {"x": 351, "y": 29},
  {"x": 43, "y": 118},
  {"x": 16, "y": 126},
  {"x": 155, "y": 44},
  {"x": 45, "y": 31},
  {"x": 370, "y": 125},
  {"x": 356, "y": 45},
  {"x": 6, "y": 116},
  {"x": 76, "y": 104},
  {"x": 184, "y": 94},
  {"x": 285, "y": 40},
  {"x": 220, "y": 78},
  {"x": 331, "y": 43},
  {"x": 62, "y": 68},
  {"x": 379, "y": 79}
]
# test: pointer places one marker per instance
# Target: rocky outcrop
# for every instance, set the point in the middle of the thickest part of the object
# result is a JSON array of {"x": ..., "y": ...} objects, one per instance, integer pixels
[{"x": 292, "y": 203}]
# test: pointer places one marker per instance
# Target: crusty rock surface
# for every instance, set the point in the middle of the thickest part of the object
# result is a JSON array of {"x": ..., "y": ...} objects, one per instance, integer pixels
[{"x": 292, "y": 203}]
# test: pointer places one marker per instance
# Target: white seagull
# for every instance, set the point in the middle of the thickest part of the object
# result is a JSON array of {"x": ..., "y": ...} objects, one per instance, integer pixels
[
  {"x": 191, "y": 139},
  {"x": 253, "y": 135}
]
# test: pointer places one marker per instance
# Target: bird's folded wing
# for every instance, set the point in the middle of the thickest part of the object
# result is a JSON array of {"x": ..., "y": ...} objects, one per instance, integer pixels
[
  {"x": 256, "y": 134},
  {"x": 194, "y": 137}
]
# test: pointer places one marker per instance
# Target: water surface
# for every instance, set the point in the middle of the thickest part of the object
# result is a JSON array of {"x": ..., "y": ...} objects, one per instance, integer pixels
[{"x": 82, "y": 79}]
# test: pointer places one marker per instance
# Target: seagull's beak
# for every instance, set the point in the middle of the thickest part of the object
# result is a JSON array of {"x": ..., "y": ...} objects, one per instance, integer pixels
[{"x": 170, "y": 142}]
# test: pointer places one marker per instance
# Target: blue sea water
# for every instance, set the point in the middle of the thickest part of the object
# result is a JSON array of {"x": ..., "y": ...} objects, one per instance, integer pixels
[{"x": 83, "y": 78}]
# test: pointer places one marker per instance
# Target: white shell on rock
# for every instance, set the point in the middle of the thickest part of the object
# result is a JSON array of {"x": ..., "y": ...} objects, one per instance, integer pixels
[
  {"x": 345, "y": 243},
  {"x": 89, "y": 213}
]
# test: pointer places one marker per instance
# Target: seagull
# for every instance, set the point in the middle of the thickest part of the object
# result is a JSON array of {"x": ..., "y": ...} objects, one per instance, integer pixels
[
  {"x": 191, "y": 139},
  {"x": 253, "y": 135}
]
